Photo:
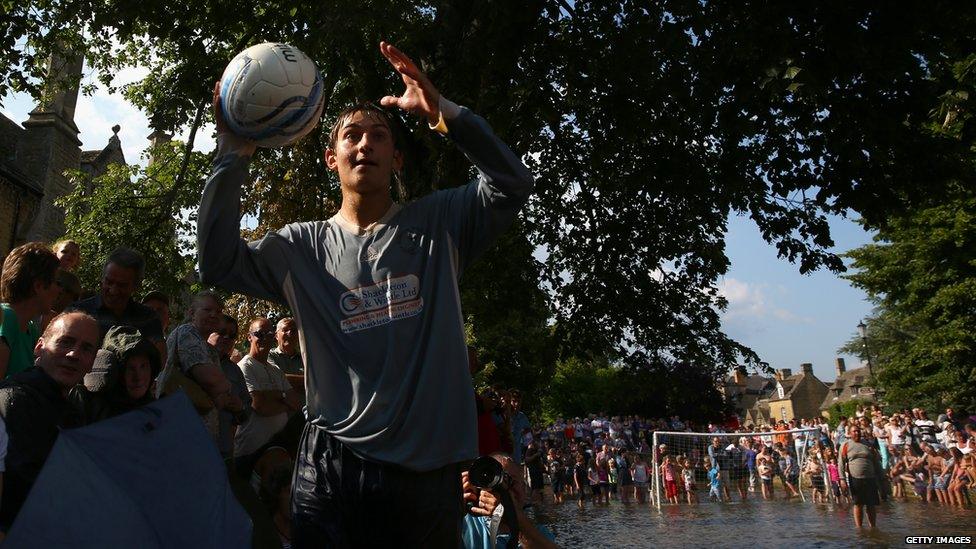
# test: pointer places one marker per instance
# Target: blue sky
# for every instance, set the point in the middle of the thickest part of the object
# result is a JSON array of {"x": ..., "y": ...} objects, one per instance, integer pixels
[{"x": 786, "y": 317}]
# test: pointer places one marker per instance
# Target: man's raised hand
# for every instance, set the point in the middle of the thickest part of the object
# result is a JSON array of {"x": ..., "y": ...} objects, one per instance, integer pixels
[
  {"x": 245, "y": 147},
  {"x": 420, "y": 96}
]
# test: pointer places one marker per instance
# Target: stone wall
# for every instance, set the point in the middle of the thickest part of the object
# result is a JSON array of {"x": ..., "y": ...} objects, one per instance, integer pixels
[
  {"x": 16, "y": 207},
  {"x": 50, "y": 147}
]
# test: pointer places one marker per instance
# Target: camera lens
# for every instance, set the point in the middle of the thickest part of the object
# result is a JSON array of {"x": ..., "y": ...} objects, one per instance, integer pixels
[{"x": 486, "y": 473}]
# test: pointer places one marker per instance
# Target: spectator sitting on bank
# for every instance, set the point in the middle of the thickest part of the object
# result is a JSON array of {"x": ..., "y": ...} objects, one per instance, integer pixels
[
  {"x": 230, "y": 420},
  {"x": 28, "y": 290},
  {"x": 273, "y": 399},
  {"x": 476, "y": 530},
  {"x": 194, "y": 366},
  {"x": 158, "y": 302},
  {"x": 114, "y": 306},
  {"x": 35, "y": 407},
  {"x": 120, "y": 379}
]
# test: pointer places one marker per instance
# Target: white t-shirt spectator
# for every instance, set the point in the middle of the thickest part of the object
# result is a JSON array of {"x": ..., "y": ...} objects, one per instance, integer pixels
[
  {"x": 896, "y": 434},
  {"x": 258, "y": 430}
]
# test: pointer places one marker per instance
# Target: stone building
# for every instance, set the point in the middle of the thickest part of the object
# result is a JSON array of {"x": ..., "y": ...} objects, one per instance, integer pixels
[
  {"x": 850, "y": 385},
  {"x": 742, "y": 390},
  {"x": 793, "y": 396},
  {"x": 35, "y": 155}
]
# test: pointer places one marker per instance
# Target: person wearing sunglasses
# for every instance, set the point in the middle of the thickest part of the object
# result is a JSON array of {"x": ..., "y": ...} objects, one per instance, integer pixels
[{"x": 273, "y": 400}]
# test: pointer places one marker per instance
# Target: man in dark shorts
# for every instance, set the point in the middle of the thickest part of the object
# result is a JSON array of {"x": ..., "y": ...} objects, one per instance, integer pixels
[{"x": 861, "y": 464}]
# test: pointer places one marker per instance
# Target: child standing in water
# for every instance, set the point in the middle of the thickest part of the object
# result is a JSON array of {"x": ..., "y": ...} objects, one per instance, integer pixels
[
  {"x": 580, "y": 480},
  {"x": 833, "y": 472},
  {"x": 688, "y": 475},
  {"x": 815, "y": 471},
  {"x": 715, "y": 482},
  {"x": 670, "y": 482}
]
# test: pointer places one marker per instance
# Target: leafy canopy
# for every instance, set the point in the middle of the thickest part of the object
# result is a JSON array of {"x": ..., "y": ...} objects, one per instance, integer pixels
[{"x": 647, "y": 125}]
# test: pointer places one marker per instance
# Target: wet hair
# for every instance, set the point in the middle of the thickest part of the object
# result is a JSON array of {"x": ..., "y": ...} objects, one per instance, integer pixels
[
  {"x": 392, "y": 121},
  {"x": 129, "y": 259},
  {"x": 25, "y": 265}
]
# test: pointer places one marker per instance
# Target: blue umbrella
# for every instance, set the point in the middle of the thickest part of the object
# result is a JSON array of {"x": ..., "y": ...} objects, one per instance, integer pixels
[{"x": 149, "y": 478}]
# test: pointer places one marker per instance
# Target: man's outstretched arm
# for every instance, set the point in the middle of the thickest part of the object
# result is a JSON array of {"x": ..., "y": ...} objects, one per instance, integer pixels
[{"x": 225, "y": 259}]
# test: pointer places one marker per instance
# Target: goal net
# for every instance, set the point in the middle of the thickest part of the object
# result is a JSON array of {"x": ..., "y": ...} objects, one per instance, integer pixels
[{"x": 694, "y": 468}]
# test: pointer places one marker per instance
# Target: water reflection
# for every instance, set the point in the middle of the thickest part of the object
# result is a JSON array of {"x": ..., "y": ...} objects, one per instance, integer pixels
[{"x": 756, "y": 522}]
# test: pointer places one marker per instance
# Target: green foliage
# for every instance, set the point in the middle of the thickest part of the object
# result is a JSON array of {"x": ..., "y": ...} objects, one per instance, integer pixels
[
  {"x": 921, "y": 270},
  {"x": 921, "y": 273},
  {"x": 647, "y": 125},
  {"x": 847, "y": 409},
  {"x": 580, "y": 387},
  {"x": 141, "y": 208}
]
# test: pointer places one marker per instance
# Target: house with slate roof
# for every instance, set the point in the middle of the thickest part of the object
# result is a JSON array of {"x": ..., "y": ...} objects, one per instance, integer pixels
[
  {"x": 794, "y": 396},
  {"x": 850, "y": 385},
  {"x": 742, "y": 390}
]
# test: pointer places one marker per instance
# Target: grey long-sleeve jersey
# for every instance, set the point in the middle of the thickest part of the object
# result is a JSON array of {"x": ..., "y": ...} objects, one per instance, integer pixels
[{"x": 378, "y": 311}]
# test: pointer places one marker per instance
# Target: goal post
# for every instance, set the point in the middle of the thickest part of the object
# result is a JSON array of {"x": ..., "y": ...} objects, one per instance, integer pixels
[{"x": 683, "y": 461}]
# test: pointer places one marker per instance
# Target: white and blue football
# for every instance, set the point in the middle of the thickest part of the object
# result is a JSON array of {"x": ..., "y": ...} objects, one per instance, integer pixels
[{"x": 271, "y": 94}]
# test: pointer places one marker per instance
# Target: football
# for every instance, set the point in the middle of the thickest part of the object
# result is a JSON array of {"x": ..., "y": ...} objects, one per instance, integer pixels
[{"x": 271, "y": 93}]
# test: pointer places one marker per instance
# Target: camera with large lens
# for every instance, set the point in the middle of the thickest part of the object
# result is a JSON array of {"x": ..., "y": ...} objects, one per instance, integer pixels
[{"x": 486, "y": 473}]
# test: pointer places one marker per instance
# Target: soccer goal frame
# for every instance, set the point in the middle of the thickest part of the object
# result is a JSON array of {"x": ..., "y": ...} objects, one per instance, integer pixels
[{"x": 660, "y": 437}]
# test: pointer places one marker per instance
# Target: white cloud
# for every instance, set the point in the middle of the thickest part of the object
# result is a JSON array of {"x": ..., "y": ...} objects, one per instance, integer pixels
[
  {"x": 96, "y": 114},
  {"x": 752, "y": 301}
]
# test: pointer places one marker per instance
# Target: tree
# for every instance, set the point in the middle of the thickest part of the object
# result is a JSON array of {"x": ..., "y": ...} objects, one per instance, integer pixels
[
  {"x": 646, "y": 124},
  {"x": 579, "y": 387},
  {"x": 921, "y": 273},
  {"x": 141, "y": 208}
]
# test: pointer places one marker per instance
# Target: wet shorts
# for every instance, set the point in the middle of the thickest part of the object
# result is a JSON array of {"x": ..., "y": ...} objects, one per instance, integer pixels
[{"x": 339, "y": 499}]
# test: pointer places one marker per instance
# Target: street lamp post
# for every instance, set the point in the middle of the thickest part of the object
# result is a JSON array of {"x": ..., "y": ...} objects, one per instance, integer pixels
[{"x": 862, "y": 329}]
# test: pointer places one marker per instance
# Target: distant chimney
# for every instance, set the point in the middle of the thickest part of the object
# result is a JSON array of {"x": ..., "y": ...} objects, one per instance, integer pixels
[
  {"x": 807, "y": 368},
  {"x": 739, "y": 375},
  {"x": 782, "y": 374},
  {"x": 841, "y": 367}
]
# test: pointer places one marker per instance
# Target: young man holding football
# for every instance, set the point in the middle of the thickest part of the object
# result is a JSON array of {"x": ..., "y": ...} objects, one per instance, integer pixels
[{"x": 374, "y": 291}]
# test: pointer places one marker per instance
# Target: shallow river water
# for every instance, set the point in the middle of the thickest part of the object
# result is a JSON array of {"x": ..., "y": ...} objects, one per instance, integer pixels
[{"x": 752, "y": 524}]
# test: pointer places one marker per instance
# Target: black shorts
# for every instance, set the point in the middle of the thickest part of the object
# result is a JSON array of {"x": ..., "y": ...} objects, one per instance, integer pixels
[
  {"x": 339, "y": 499},
  {"x": 535, "y": 480},
  {"x": 864, "y": 491},
  {"x": 817, "y": 481}
]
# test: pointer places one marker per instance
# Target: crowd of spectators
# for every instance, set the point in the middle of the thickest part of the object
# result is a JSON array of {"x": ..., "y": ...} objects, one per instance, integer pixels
[
  {"x": 864, "y": 459},
  {"x": 68, "y": 359}
]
